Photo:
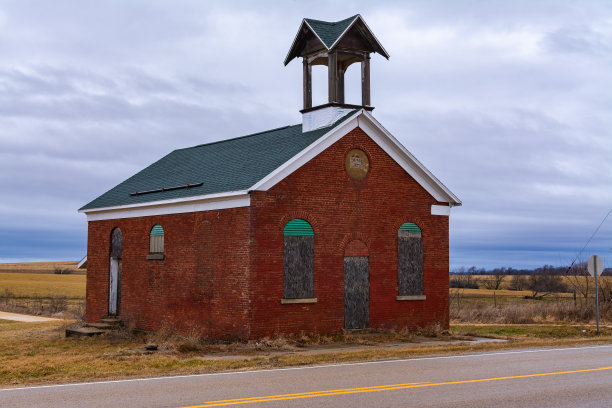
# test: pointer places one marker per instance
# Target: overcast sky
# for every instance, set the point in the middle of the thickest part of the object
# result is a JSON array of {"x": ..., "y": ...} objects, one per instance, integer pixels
[{"x": 508, "y": 103}]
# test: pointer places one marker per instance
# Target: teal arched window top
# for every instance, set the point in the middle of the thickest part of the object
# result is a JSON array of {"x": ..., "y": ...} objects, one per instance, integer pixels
[
  {"x": 409, "y": 229},
  {"x": 298, "y": 228},
  {"x": 157, "y": 231}
]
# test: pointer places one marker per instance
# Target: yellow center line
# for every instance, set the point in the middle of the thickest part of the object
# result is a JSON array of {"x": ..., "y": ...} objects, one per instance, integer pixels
[{"x": 377, "y": 388}]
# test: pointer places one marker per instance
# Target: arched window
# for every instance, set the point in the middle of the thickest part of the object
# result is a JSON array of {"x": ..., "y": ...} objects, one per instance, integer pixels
[
  {"x": 409, "y": 260},
  {"x": 298, "y": 260},
  {"x": 156, "y": 240}
]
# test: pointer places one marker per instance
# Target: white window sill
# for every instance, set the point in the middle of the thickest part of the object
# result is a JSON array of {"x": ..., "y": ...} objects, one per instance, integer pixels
[
  {"x": 294, "y": 301},
  {"x": 414, "y": 297}
]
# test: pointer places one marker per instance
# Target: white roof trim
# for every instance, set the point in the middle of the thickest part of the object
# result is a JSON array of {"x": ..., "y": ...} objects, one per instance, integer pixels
[
  {"x": 371, "y": 32},
  {"x": 296, "y": 37},
  {"x": 440, "y": 210},
  {"x": 314, "y": 32},
  {"x": 344, "y": 32},
  {"x": 382, "y": 138},
  {"x": 306, "y": 154},
  {"x": 187, "y": 205},
  {"x": 405, "y": 159},
  {"x": 82, "y": 262},
  {"x": 222, "y": 198}
]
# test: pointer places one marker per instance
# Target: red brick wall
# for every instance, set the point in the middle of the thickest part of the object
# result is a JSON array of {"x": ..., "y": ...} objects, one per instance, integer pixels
[
  {"x": 204, "y": 283},
  {"x": 207, "y": 294},
  {"x": 340, "y": 210}
]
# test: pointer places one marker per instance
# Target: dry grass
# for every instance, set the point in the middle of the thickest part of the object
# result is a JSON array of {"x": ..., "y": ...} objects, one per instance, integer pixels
[
  {"x": 39, "y": 353},
  {"x": 43, "y": 294},
  {"x": 39, "y": 267},
  {"x": 43, "y": 285},
  {"x": 560, "y": 312}
]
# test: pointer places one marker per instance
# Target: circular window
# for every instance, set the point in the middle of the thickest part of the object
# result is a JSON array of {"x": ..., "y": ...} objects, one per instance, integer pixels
[{"x": 357, "y": 164}]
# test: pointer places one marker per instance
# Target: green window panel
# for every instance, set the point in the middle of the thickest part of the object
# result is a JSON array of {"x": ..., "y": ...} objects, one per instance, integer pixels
[
  {"x": 157, "y": 231},
  {"x": 298, "y": 228},
  {"x": 410, "y": 227}
]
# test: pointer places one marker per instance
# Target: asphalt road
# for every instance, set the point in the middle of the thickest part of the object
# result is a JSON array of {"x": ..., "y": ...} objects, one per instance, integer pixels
[{"x": 563, "y": 377}]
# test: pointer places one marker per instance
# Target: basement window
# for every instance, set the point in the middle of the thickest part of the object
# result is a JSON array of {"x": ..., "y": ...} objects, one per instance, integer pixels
[
  {"x": 156, "y": 243},
  {"x": 298, "y": 282},
  {"x": 409, "y": 262}
]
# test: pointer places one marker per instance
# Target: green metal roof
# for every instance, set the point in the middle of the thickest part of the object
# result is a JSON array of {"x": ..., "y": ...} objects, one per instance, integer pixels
[
  {"x": 157, "y": 231},
  {"x": 229, "y": 165},
  {"x": 329, "y": 32},
  {"x": 298, "y": 228},
  {"x": 410, "y": 227}
]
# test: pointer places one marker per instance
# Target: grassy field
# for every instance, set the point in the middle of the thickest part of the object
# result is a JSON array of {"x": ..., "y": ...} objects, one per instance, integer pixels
[
  {"x": 43, "y": 294},
  {"x": 40, "y": 267},
  {"x": 39, "y": 353},
  {"x": 43, "y": 285}
]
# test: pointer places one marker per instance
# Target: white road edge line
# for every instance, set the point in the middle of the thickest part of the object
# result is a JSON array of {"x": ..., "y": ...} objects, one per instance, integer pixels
[{"x": 171, "y": 377}]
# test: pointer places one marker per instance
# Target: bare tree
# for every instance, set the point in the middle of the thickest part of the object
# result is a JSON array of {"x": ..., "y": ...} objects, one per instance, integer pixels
[
  {"x": 605, "y": 288},
  {"x": 496, "y": 279},
  {"x": 579, "y": 279},
  {"x": 518, "y": 282},
  {"x": 544, "y": 283}
]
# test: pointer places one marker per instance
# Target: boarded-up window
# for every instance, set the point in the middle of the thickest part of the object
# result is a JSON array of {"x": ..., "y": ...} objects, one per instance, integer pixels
[
  {"x": 298, "y": 260},
  {"x": 116, "y": 243},
  {"x": 156, "y": 242},
  {"x": 409, "y": 260}
]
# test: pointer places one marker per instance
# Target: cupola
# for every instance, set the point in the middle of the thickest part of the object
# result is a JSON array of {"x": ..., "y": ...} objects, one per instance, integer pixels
[{"x": 336, "y": 45}]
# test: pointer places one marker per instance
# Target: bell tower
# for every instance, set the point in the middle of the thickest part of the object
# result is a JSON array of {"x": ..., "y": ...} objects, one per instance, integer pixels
[{"x": 336, "y": 45}]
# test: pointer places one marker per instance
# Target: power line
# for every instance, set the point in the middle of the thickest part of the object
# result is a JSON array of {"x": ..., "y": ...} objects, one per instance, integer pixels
[{"x": 590, "y": 239}]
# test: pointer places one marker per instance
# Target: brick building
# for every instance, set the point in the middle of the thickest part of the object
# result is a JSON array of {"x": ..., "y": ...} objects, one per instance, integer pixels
[{"x": 320, "y": 226}]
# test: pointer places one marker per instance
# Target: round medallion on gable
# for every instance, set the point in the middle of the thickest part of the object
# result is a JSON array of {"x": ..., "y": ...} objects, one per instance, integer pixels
[{"x": 357, "y": 164}]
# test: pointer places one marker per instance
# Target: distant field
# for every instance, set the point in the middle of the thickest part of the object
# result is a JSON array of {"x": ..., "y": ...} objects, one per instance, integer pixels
[
  {"x": 43, "y": 285},
  {"x": 39, "y": 267}
]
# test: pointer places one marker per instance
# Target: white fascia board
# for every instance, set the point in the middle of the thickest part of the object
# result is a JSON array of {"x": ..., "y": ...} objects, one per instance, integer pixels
[
  {"x": 405, "y": 159},
  {"x": 296, "y": 37},
  {"x": 372, "y": 33},
  {"x": 315, "y": 33},
  {"x": 206, "y": 202},
  {"x": 440, "y": 210},
  {"x": 358, "y": 17},
  {"x": 382, "y": 138},
  {"x": 306, "y": 155}
]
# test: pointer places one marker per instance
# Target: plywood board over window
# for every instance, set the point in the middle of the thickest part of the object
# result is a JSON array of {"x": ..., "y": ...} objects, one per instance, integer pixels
[
  {"x": 298, "y": 260},
  {"x": 409, "y": 261}
]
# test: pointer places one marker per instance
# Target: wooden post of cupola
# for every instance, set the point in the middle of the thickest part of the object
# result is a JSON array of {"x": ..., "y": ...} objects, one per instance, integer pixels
[
  {"x": 365, "y": 80},
  {"x": 332, "y": 71},
  {"x": 307, "y": 84},
  {"x": 336, "y": 45}
]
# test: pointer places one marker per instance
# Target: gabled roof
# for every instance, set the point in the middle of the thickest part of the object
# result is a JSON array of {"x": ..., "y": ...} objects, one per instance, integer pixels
[
  {"x": 366, "y": 122},
  {"x": 228, "y": 170},
  {"x": 331, "y": 33},
  {"x": 225, "y": 166}
]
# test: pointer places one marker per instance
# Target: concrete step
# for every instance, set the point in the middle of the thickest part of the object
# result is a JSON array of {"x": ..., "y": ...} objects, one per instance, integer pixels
[
  {"x": 111, "y": 321},
  {"x": 83, "y": 331},
  {"x": 102, "y": 326}
]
